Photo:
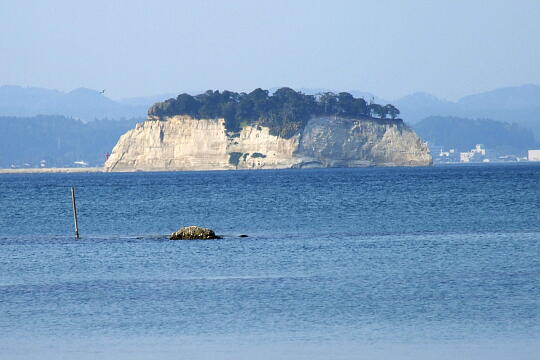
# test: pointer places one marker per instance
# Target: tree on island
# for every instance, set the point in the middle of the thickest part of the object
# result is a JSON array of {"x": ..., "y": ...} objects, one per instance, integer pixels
[
  {"x": 378, "y": 110},
  {"x": 285, "y": 111},
  {"x": 392, "y": 110}
]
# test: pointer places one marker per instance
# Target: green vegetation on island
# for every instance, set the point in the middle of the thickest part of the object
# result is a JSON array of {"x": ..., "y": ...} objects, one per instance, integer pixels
[{"x": 284, "y": 112}]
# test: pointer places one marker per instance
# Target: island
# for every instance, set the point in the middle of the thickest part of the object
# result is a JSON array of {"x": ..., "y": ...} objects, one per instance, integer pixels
[{"x": 258, "y": 130}]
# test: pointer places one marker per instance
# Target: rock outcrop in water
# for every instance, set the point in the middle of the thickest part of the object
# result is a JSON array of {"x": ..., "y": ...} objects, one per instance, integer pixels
[
  {"x": 194, "y": 233},
  {"x": 184, "y": 143}
]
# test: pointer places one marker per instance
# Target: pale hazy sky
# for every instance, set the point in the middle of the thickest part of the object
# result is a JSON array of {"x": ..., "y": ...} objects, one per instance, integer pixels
[{"x": 450, "y": 48}]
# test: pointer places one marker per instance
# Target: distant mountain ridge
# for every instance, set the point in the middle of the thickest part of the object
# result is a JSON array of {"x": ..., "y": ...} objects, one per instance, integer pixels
[
  {"x": 81, "y": 103},
  {"x": 517, "y": 97},
  {"x": 57, "y": 140},
  {"x": 512, "y": 97},
  {"x": 515, "y": 104},
  {"x": 462, "y": 134}
]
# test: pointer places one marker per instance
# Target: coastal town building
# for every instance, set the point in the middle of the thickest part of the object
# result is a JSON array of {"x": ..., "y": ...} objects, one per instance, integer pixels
[
  {"x": 447, "y": 154},
  {"x": 476, "y": 154},
  {"x": 533, "y": 155}
]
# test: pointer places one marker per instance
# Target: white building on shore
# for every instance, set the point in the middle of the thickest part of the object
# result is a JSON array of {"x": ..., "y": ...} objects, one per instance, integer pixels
[
  {"x": 533, "y": 155},
  {"x": 476, "y": 154}
]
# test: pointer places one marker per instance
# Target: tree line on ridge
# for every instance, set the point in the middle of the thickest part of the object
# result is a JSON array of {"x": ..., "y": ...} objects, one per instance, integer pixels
[{"x": 285, "y": 112}]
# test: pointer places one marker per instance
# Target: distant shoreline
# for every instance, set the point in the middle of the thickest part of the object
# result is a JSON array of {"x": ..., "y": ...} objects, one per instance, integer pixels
[
  {"x": 101, "y": 169},
  {"x": 52, "y": 170}
]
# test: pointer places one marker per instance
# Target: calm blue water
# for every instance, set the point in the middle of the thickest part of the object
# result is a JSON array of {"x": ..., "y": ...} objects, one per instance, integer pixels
[{"x": 382, "y": 263}]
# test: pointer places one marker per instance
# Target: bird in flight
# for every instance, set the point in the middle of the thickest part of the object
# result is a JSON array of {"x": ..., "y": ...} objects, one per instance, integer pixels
[{"x": 102, "y": 91}]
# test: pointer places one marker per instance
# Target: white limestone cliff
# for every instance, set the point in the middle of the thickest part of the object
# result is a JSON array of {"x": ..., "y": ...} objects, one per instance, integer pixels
[{"x": 184, "y": 143}]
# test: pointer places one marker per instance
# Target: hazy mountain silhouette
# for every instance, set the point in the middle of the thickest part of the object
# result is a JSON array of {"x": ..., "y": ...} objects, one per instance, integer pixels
[
  {"x": 463, "y": 134},
  {"x": 518, "y": 104},
  {"x": 420, "y": 105},
  {"x": 82, "y": 103},
  {"x": 510, "y": 98},
  {"x": 58, "y": 140},
  {"x": 15, "y": 100}
]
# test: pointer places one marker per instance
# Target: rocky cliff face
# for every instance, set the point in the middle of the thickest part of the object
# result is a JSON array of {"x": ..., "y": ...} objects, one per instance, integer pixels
[{"x": 184, "y": 143}]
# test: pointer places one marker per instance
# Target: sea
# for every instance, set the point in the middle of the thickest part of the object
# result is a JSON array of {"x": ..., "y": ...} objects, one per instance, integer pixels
[{"x": 438, "y": 262}]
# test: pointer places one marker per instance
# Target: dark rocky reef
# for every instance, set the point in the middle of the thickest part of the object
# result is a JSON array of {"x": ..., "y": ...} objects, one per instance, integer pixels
[{"x": 194, "y": 233}]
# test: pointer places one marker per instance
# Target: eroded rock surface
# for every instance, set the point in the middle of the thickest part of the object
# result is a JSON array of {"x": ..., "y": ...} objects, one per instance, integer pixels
[{"x": 183, "y": 143}]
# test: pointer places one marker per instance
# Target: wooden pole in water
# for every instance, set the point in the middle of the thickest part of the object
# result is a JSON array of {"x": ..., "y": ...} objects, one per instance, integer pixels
[{"x": 74, "y": 212}]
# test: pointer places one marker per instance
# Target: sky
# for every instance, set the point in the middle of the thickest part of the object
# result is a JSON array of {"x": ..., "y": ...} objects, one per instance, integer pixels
[{"x": 389, "y": 48}]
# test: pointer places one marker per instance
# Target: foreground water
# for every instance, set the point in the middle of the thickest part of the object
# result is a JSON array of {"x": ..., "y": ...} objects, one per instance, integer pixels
[{"x": 404, "y": 263}]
